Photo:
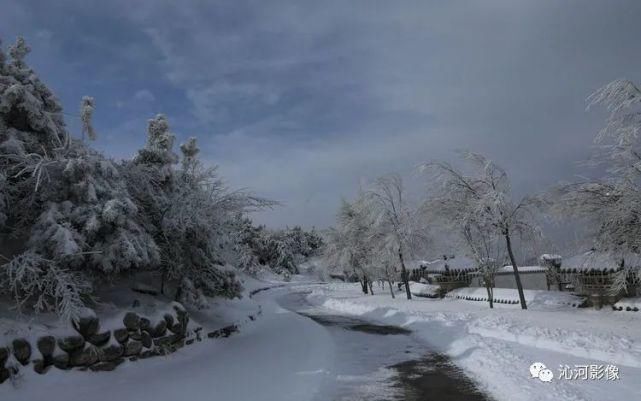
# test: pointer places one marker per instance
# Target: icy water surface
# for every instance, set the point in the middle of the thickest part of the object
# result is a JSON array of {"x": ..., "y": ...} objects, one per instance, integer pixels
[{"x": 382, "y": 363}]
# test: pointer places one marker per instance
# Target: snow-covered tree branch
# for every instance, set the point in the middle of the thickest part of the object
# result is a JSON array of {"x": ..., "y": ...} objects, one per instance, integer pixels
[
  {"x": 611, "y": 204},
  {"x": 82, "y": 217},
  {"x": 399, "y": 228},
  {"x": 480, "y": 206}
]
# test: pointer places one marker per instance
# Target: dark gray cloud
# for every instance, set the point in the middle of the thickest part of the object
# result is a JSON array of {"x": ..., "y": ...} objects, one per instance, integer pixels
[{"x": 302, "y": 101}]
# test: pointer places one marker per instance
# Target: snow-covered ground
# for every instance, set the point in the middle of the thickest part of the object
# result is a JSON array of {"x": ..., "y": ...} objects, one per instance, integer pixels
[
  {"x": 629, "y": 304},
  {"x": 284, "y": 356},
  {"x": 272, "y": 358},
  {"x": 496, "y": 347}
]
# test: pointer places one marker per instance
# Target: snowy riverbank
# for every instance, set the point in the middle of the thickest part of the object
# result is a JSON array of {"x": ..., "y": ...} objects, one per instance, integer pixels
[{"x": 496, "y": 347}]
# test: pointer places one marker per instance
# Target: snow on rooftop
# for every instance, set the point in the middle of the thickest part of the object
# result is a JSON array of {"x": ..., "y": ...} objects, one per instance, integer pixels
[
  {"x": 416, "y": 264},
  {"x": 600, "y": 261},
  {"x": 451, "y": 263},
  {"x": 523, "y": 269}
]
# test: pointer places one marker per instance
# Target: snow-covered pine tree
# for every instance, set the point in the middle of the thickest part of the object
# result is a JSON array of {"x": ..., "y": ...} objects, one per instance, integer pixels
[
  {"x": 198, "y": 226},
  {"x": 191, "y": 215},
  {"x": 66, "y": 203},
  {"x": 150, "y": 178},
  {"x": 315, "y": 242}
]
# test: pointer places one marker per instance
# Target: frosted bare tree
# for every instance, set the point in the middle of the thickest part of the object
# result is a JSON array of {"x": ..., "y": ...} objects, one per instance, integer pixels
[
  {"x": 350, "y": 244},
  {"x": 486, "y": 248},
  {"x": 612, "y": 203},
  {"x": 385, "y": 260},
  {"x": 396, "y": 223},
  {"x": 482, "y": 200}
]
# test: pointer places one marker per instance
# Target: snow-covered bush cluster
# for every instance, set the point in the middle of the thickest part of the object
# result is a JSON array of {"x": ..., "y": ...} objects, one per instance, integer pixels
[
  {"x": 280, "y": 250},
  {"x": 69, "y": 216}
]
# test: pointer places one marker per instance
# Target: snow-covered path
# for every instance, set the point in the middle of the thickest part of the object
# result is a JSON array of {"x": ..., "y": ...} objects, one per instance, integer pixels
[
  {"x": 377, "y": 362},
  {"x": 279, "y": 357},
  {"x": 283, "y": 355}
]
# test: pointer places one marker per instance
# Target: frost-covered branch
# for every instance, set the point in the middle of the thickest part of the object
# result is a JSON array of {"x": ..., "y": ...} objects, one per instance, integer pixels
[
  {"x": 612, "y": 203},
  {"x": 43, "y": 285},
  {"x": 87, "y": 107},
  {"x": 480, "y": 207}
]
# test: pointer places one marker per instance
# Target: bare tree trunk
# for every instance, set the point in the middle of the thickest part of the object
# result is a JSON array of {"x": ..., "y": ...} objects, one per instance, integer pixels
[
  {"x": 163, "y": 281},
  {"x": 179, "y": 291},
  {"x": 364, "y": 285},
  {"x": 371, "y": 290},
  {"x": 404, "y": 274},
  {"x": 517, "y": 278},
  {"x": 490, "y": 296},
  {"x": 391, "y": 287}
]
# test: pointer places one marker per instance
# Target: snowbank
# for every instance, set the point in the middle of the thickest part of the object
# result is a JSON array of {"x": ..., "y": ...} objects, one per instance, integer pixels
[
  {"x": 522, "y": 269},
  {"x": 424, "y": 290},
  {"x": 628, "y": 305},
  {"x": 495, "y": 347}
]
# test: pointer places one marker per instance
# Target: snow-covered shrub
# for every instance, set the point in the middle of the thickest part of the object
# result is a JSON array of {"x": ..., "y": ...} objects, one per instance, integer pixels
[
  {"x": 45, "y": 286},
  {"x": 89, "y": 217},
  {"x": 245, "y": 237},
  {"x": 284, "y": 249},
  {"x": 258, "y": 248}
]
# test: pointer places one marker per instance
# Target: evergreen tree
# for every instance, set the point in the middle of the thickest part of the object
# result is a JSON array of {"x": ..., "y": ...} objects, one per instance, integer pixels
[
  {"x": 66, "y": 202},
  {"x": 190, "y": 214}
]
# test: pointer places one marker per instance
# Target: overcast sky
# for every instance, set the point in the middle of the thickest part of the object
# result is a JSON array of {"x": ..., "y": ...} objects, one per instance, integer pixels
[{"x": 302, "y": 101}]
